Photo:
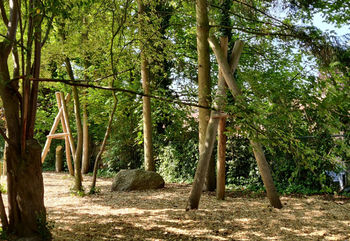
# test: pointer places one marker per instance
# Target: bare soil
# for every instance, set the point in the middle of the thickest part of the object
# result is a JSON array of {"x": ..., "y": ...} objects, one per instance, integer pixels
[{"x": 160, "y": 215}]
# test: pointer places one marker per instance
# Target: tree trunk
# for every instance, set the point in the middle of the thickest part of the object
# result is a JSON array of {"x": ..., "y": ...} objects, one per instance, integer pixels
[
  {"x": 221, "y": 163},
  {"x": 210, "y": 177},
  {"x": 204, "y": 83},
  {"x": 78, "y": 152},
  {"x": 3, "y": 215},
  {"x": 4, "y": 165},
  {"x": 265, "y": 173},
  {"x": 26, "y": 210},
  {"x": 59, "y": 159},
  {"x": 220, "y": 182},
  {"x": 147, "y": 120},
  {"x": 203, "y": 162},
  {"x": 99, "y": 155},
  {"x": 263, "y": 165},
  {"x": 86, "y": 159},
  {"x": 210, "y": 135}
]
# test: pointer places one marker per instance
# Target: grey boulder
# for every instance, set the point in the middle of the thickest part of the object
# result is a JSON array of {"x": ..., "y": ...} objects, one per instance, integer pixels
[{"x": 135, "y": 179}]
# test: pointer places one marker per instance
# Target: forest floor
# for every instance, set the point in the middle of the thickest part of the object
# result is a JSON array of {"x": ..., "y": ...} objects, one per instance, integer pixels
[{"x": 160, "y": 215}]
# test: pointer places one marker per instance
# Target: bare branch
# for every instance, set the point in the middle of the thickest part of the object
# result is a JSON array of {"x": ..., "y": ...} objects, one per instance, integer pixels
[
  {"x": 13, "y": 21},
  {"x": 77, "y": 83}
]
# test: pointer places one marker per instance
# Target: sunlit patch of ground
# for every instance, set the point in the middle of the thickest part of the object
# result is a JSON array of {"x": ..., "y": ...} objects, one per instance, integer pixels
[{"x": 161, "y": 215}]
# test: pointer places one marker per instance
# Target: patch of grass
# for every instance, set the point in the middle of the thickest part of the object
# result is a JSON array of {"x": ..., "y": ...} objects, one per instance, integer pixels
[
  {"x": 95, "y": 190},
  {"x": 79, "y": 193}
]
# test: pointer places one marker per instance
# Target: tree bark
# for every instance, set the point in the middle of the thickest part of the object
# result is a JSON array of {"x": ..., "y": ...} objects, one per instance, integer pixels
[
  {"x": 221, "y": 163},
  {"x": 26, "y": 210},
  {"x": 210, "y": 135},
  {"x": 204, "y": 83},
  {"x": 3, "y": 215},
  {"x": 147, "y": 119},
  {"x": 86, "y": 159},
  {"x": 220, "y": 181},
  {"x": 78, "y": 152},
  {"x": 263, "y": 165},
  {"x": 203, "y": 162}
]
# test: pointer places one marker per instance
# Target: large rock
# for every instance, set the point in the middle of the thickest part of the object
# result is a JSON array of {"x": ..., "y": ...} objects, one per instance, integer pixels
[{"x": 135, "y": 179}]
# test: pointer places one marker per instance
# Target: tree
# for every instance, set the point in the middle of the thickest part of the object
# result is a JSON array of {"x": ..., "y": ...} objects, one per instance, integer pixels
[
  {"x": 211, "y": 131},
  {"x": 204, "y": 83},
  {"x": 27, "y": 214},
  {"x": 145, "y": 75},
  {"x": 79, "y": 150}
]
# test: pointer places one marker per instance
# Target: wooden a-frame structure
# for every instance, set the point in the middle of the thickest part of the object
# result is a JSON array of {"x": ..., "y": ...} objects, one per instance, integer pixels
[{"x": 62, "y": 116}]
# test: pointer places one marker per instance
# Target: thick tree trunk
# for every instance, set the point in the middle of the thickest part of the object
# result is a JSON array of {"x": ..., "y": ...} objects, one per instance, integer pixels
[
  {"x": 263, "y": 165},
  {"x": 220, "y": 182},
  {"x": 147, "y": 120},
  {"x": 27, "y": 214},
  {"x": 86, "y": 159},
  {"x": 26, "y": 210}
]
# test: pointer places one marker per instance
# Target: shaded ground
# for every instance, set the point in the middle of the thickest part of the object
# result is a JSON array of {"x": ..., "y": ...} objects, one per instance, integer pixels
[{"x": 160, "y": 215}]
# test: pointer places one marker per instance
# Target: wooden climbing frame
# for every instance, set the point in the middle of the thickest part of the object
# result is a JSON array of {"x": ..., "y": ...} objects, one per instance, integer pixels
[{"x": 62, "y": 116}]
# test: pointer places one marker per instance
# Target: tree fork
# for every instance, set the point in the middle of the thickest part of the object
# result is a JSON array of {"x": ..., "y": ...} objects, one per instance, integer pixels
[{"x": 210, "y": 135}]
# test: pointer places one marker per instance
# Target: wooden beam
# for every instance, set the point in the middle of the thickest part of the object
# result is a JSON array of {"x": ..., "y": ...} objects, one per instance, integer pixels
[
  {"x": 57, "y": 136},
  {"x": 48, "y": 140},
  {"x": 69, "y": 141}
]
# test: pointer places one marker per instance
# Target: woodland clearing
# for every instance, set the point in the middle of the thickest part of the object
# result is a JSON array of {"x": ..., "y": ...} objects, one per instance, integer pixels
[{"x": 160, "y": 214}]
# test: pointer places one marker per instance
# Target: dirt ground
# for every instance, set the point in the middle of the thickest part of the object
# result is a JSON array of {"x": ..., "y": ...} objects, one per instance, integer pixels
[{"x": 161, "y": 215}]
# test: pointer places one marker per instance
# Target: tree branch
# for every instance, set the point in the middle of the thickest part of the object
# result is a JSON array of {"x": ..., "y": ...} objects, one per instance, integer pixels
[
  {"x": 76, "y": 83},
  {"x": 13, "y": 21},
  {"x": 3, "y": 13},
  {"x": 256, "y": 32}
]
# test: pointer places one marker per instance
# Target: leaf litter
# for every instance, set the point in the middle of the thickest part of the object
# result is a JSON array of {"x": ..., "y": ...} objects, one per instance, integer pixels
[{"x": 160, "y": 214}]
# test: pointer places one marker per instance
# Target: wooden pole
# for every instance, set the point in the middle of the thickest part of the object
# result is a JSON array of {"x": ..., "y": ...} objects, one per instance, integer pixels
[
  {"x": 263, "y": 165},
  {"x": 59, "y": 159},
  {"x": 52, "y": 131},
  {"x": 69, "y": 142},
  {"x": 220, "y": 178}
]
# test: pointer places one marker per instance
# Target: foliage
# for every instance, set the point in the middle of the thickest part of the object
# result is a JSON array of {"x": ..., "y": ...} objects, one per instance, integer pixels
[
  {"x": 291, "y": 93},
  {"x": 3, "y": 234}
]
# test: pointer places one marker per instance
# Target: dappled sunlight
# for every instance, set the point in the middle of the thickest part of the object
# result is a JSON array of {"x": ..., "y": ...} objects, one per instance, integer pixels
[{"x": 160, "y": 215}]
